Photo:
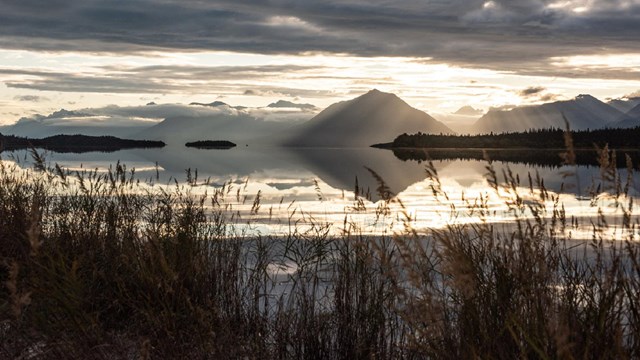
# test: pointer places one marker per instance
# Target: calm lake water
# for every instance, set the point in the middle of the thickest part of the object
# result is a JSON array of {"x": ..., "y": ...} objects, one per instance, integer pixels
[{"x": 315, "y": 188}]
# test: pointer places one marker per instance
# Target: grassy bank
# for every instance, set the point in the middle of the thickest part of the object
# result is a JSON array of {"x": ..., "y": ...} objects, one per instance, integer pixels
[{"x": 100, "y": 266}]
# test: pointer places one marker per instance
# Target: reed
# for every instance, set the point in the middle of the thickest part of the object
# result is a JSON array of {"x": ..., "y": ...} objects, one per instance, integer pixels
[{"x": 97, "y": 265}]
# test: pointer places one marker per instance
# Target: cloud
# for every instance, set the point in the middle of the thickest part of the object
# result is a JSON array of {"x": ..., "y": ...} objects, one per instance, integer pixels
[
  {"x": 258, "y": 92},
  {"x": 503, "y": 107},
  {"x": 633, "y": 95},
  {"x": 513, "y": 35},
  {"x": 146, "y": 115},
  {"x": 549, "y": 97},
  {"x": 537, "y": 94},
  {"x": 282, "y": 115},
  {"x": 530, "y": 91},
  {"x": 162, "y": 79},
  {"x": 30, "y": 98}
]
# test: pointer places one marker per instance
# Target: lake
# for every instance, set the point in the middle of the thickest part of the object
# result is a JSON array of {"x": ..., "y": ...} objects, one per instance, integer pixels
[{"x": 309, "y": 188}]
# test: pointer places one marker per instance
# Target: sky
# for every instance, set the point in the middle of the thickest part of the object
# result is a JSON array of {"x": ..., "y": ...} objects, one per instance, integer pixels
[{"x": 438, "y": 55}]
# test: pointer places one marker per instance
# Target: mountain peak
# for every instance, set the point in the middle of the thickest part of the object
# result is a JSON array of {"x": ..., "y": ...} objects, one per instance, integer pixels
[
  {"x": 376, "y": 95},
  {"x": 468, "y": 110},
  {"x": 583, "y": 112},
  {"x": 376, "y": 92},
  {"x": 585, "y": 97},
  {"x": 371, "y": 118}
]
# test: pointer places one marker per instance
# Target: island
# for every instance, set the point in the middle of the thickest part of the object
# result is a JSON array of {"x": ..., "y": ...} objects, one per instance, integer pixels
[
  {"x": 75, "y": 143},
  {"x": 211, "y": 144}
]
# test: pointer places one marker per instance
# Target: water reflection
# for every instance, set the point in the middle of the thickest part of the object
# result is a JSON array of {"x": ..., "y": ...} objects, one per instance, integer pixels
[{"x": 321, "y": 182}]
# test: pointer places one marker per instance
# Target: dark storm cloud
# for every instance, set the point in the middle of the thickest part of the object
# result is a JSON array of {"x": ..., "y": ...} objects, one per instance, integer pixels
[
  {"x": 537, "y": 92},
  {"x": 30, "y": 98},
  {"x": 515, "y": 35},
  {"x": 533, "y": 90}
]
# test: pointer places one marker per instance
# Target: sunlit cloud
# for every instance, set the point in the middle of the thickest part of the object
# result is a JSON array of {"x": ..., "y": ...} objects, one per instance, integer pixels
[{"x": 437, "y": 55}]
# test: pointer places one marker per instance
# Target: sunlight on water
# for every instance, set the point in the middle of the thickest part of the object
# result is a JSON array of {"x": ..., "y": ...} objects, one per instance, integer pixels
[{"x": 279, "y": 191}]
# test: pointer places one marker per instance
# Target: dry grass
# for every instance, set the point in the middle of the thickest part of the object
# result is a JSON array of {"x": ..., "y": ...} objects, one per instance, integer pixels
[{"x": 99, "y": 266}]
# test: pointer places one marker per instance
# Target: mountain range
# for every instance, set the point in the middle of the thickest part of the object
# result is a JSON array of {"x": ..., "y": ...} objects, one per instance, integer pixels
[
  {"x": 631, "y": 119},
  {"x": 582, "y": 113},
  {"x": 374, "y": 117},
  {"x": 626, "y": 104},
  {"x": 238, "y": 127}
]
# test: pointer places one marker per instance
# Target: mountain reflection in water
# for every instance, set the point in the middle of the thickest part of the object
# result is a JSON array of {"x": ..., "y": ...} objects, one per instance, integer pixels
[{"x": 322, "y": 181}]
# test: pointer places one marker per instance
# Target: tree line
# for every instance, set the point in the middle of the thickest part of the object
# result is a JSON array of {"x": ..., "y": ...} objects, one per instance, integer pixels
[{"x": 553, "y": 138}]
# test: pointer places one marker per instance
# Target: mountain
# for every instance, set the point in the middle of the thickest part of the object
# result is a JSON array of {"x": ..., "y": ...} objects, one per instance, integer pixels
[
  {"x": 460, "y": 121},
  {"x": 630, "y": 120},
  {"x": 235, "y": 126},
  {"x": 468, "y": 110},
  {"x": 289, "y": 104},
  {"x": 374, "y": 117},
  {"x": 634, "y": 113},
  {"x": 625, "y": 104},
  {"x": 213, "y": 104},
  {"x": 65, "y": 122},
  {"x": 583, "y": 112}
]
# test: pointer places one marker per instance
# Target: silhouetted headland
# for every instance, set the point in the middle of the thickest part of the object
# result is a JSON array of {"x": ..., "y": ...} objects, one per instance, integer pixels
[
  {"x": 76, "y": 143},
  {"x": 532, "y": 139},
  {"x": 535, "y": 147}
]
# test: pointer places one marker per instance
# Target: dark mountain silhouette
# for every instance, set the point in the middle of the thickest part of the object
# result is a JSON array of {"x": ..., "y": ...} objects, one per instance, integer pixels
[
  {"x": 213, "y": 104},
  {"x": 289, "y": 104},
  {"x": 583, "y": 112},
  {"x": 373, "y": 117}
]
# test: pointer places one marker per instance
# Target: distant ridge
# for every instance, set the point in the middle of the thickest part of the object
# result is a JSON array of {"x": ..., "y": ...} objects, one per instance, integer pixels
[
  {"x": 289, "y": 104},
  {"x": 635, "y": 112},
  {"x": 630, "y": 120},
  {"x": 468, "y": 110},
  {"x": 625, "y": 104},
  {"x": 213, "y": 104},
  {"x": 583, "y": 112},
  {"x": 237, "y": 127},
  {"x": 371, "y": 118}
]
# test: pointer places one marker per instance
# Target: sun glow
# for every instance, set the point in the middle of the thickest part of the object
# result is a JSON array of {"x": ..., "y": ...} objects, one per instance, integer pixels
[{"x": 75, "y": 81}]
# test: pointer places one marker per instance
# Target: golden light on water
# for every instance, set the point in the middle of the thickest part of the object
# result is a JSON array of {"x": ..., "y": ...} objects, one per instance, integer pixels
[{"x": 276, "y": 205}]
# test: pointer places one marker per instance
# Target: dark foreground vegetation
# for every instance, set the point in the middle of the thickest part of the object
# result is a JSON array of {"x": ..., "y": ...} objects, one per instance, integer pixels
[
  {"x": 95, "y": 266},
  {"x": 532, "y": 139},
  {"x": 211, "y": 144},
  {"x": 75, "y": 143}
]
